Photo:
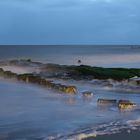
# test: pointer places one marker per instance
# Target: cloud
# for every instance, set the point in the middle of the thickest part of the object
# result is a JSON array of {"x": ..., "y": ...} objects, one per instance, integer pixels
[
  {"x": 50, "y": 3},
  {"x": 69, "y": 22}
]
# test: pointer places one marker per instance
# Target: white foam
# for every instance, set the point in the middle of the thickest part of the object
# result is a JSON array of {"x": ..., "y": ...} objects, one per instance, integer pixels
[{"x": 134, "y": 122}]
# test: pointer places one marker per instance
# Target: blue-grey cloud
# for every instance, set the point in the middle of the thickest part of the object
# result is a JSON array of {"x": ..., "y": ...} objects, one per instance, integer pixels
[{"x": 69, "y": 22}]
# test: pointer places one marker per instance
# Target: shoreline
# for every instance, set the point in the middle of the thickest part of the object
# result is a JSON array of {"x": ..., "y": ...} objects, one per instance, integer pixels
[{"x": 124, "y": 135}]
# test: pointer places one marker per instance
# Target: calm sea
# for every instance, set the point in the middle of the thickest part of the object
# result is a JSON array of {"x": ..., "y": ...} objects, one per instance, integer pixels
[
  {"x": 30, "y": 112},
  {"x": 107, "y": 56}
]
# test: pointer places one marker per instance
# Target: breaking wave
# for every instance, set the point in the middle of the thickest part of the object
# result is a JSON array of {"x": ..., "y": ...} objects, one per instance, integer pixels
[{"x": 109, "y": 128}]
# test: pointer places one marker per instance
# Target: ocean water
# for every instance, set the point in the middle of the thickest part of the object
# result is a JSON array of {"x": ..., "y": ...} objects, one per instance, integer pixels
[
  {"x": 34, "y": 113},
  {"x": 106, "y": 56}
]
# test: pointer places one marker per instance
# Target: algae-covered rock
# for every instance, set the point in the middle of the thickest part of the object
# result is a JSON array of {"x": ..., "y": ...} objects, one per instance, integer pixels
[
  {"x": 126, "y": 105},
  {"x": 9, "y": 74},
  {"x": 29, "y": 78},
  {"x": 37, "y": 79},
  {"x": 70, "y": 90},
  {"x": 1, "y": 72}
]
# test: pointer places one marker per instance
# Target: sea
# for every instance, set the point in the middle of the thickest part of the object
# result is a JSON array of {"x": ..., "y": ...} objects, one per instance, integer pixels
[
  {"x": 31, "y": 112},
  {"x": 104, "y": 56}
]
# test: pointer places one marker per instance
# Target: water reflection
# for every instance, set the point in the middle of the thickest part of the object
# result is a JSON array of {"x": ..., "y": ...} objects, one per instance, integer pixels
[{"x": 71, "y": 101}]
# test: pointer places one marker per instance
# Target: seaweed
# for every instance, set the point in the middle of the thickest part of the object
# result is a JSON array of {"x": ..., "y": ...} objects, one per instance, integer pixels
[{"x": 107, "y": 73}]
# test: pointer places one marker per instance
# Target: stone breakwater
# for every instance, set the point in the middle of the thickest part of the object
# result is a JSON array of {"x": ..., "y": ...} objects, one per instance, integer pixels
[
  {"x": 36, "y": 79},
  {"x": 76, "y": 72},
  {"x": 61, "y": 88},
  {"x": 121, "y": 104},
  {"x": 46, "y": 71}
]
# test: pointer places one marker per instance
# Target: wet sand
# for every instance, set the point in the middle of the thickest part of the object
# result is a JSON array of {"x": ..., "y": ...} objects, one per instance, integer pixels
[{"x": 133, "y": 135}]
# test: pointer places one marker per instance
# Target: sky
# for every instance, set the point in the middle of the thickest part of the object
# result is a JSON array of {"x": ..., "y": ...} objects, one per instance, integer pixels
[{"x": 55, "y": 22}]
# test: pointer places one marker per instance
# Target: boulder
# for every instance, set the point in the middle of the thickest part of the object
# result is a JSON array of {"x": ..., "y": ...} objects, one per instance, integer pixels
[
  {"x": 70, "y": 89},
  {"x": 126, "y": 105}
]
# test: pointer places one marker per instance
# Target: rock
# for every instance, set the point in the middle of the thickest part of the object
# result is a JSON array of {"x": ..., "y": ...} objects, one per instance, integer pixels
[
  {"x": 1, "y": 72},
  {"x": 50, "y": 85},
  {"x": 37, "y": 79},
  {"x": 106, "y": 101},
  {"x": 134, "y": 81},
  {"x": 29, "y": 78},
  {"x": 70, "y": 89},
  {"x": 126, "y": 105},
  {"x": 57, "y": 86},
  {"x": 43, "y": 82},
  {"x": 87, "y": 94},
  {"x": 62, "y": 88},
  {"x": 9, "y": 74}
]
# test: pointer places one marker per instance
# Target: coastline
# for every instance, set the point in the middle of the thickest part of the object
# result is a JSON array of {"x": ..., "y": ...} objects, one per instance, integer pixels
[
  {"x": 124, "y": 135},
  {"x": 60, "y": 79}
]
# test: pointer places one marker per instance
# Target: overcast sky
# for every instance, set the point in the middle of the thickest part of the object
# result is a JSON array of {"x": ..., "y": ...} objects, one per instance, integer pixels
[{"x": 69, "y": 21}]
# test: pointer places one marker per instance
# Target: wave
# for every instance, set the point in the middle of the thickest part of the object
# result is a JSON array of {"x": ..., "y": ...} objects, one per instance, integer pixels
[{"x": 108, "y": 128}]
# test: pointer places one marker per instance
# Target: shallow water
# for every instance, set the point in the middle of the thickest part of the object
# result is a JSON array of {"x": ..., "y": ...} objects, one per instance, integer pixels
[{"x": 30, "y": 112}]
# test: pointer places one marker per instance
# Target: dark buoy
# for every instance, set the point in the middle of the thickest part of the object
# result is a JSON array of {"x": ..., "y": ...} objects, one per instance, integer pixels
[{"x": 79, "y": 61}]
